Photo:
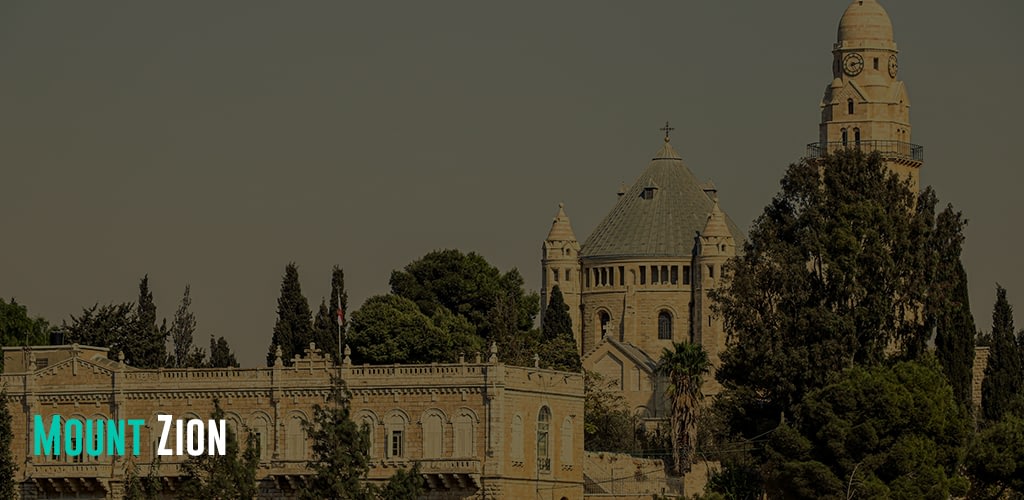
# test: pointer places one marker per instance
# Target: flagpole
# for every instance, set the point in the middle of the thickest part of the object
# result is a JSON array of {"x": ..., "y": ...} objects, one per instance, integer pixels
[{"x": 338, "y": 317}]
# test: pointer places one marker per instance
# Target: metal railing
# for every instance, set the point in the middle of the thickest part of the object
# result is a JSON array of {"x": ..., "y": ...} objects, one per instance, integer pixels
[{"x": 888, "y": 149}]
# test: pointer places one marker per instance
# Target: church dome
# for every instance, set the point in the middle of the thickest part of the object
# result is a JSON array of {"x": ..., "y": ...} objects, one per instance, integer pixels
[
  {"x": 865, "y": 20},
  {"x": 659, "y": 216}
]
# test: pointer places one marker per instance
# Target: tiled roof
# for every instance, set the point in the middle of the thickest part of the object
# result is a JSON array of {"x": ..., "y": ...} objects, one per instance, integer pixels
[{"x": 659, "y": 216}]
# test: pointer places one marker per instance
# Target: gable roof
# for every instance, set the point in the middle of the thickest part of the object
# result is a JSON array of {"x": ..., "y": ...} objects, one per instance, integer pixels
[{"x": 659, "y": 216}]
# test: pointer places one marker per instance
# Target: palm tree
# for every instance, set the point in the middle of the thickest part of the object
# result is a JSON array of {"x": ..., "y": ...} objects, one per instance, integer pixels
[{"x": 685, "y": 366}]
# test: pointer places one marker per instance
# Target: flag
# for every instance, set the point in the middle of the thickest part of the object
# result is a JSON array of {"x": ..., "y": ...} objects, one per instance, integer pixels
[{"x": 341, "y": 315}]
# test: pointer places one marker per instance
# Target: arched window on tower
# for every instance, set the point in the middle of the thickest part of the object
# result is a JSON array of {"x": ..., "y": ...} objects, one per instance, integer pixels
[
  {"x": 856, "y": 137},
  {"x": 845, "y": 139},
  {"x": 849, "y": 106},
  {"x": 604, "y": 319},
  {"x": 664, "y": 325}
]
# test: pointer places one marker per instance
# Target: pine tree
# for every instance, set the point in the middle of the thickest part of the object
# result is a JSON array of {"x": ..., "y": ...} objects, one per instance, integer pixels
[
  {"x": 340, "y": 450},
  {"x": 229, "y": 476},
  {"x": 146, "y": 348},
  {"x": 220, "y": 354},
  {"x": 338, "y": 304},
  {"x": 294, "y": 329},
  {"x": 557, "y": 321},
  {"x": 7, "y": 465},
  {"x": 955, "y": 331},
  {"x": 182, "y": 331},
  {"x": 1004, "y": 375}
]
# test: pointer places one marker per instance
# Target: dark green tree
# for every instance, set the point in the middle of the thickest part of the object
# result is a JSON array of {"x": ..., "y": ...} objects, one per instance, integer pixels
[
  {"x": 684, "y": 366},
  {"x": 18, "y": 328},
  {"x": 1004, "y": 374},
  {"x": 465, "y": 284},
  {"x": 146, "y": 348},
  {"x": 329, "y": 325},
  {"x": 220, "y": 354},
  {"x": 8, "y": 467},
  {"x": 138, "y": 487},
  {"x": 954, "y": 323},
  {"x": 111, "y": 325},
  {"x": 834, "y": 274},
  {"x": 879, "y": 432},
  {"x": 293, "y": 331},
  {"x": 995, "y": 462},
  {"x": 392, "y": 329},
  {"x": 182, "y": 330},
  {"x": 607, "y": 423},
  {"x": 231, "y": 476},
  {"x": 556, "y": 321},
  {"x": 404, "y": 484},
  {"x": 340, "y": 451}
]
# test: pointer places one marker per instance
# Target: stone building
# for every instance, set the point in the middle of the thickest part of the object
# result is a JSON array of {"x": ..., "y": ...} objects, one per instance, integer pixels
[
  {"x": 478, "y": 429},
  {"x": 641, "y": 280}
]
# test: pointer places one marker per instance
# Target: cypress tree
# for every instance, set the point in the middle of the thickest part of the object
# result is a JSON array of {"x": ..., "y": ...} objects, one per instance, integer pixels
[
  {"x": 146, "y": 349},
  {"x": 182, "y": 331},
  {"x": 1003, "y": 375},
  {"x": 954, "y": 338},
  {"x": 294, "y": 328},
  {"x": 557, "y": 321},
  {"x": 220, "y": 354}
]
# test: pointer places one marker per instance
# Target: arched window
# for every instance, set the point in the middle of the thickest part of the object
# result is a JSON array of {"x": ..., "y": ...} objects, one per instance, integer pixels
[
  {"x": 849, "y": 106},
  {"x": 464, "y": 435},
  {"x": 517, "y": 437},
  {"x": 433, "y": 435},
  {"x": 395, "y": 436},
  {"x": 604, "y": 319},
  {"x": 856, "y": 137},
  {"x": 664, "y": 325},
  {"x": 295, "y": 438},
  {"x": 844, "y": 138},
  {"x": 544, "y": 440}
]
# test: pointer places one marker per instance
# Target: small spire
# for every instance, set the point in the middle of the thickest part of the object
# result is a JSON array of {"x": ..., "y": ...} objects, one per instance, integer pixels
[
  {"x": 561, "y": 229},
  {"x": 667, "y": 128}
]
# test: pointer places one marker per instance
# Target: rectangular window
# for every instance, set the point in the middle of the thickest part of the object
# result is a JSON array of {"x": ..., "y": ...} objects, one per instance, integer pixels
[
  {"x": 654, "y": 275},
  {"x": 643, "y": 275},
  {"x": 611, "y": 276},
  {"x": 675, "y": 275},
  {"x": 604, "y": 276},
  {"x": 876, "y": 63},
  {"x": 711, "y": 271},
  {"x": 686, "y": 275},
  {"x": 396, "y": 443},
  {"x": 622, "y": 276},
  {"x": 587, "y": 274},
  {"x": 597, "y": 277},
  {"x": 664, "y": 274},
  {"x": 567, "y": 275},
  {"x": 554, "y": 272}
]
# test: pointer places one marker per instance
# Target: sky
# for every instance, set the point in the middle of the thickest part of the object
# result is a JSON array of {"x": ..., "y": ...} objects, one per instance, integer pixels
[{"x": 211, "y": 143}]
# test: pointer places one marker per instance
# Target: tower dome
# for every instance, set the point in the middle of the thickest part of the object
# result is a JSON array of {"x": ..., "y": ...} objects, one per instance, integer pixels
[{"x": 865, "y": 20}]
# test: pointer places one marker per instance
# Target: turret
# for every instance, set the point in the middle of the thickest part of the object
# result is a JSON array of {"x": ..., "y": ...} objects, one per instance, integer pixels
[{"x": 561, "y": 267}]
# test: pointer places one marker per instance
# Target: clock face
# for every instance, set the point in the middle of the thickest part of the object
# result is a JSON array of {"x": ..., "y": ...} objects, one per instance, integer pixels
[
  {"x": 894, "y": 66},
  {"x": 853, "y": 64}
]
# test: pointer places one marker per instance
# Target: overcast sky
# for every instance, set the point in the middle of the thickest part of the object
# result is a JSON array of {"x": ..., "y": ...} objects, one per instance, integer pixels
[{"x": 213, "y": 142}]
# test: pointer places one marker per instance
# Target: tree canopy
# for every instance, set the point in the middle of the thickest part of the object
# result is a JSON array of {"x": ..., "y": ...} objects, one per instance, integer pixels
[
  {"x": 392, "y": 329},
  {"x": 293, "y": 330},
  {"x": 1004, "y": 373},
  {"x": 231, "y": 476}
]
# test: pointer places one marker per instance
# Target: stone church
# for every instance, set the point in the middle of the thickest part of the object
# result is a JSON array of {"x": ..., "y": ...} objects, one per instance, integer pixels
[{"x": 641, "y": 279}]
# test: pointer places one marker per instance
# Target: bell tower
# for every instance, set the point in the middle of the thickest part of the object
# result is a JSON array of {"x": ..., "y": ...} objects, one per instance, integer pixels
[
  {"x": 866, "y": 107},
  {"x": 560, "y": 255}
]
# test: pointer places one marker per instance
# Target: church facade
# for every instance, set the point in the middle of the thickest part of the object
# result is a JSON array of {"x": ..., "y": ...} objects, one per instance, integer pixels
[{"x": 641, "y": 280}]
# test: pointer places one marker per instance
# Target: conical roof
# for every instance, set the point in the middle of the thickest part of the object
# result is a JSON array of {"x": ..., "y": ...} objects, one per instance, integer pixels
[
  {"x": 717, "y": 224},
  {"x": 561, "y": 229},
  {"x": 658, "y": 216}
]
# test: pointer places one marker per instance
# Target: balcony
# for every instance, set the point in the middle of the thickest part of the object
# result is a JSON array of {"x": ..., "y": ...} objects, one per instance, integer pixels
[{"x": 896, "y": 150}]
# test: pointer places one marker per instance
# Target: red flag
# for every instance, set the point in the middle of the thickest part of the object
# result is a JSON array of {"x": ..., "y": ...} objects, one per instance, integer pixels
[{"x": 341, "y": 316}]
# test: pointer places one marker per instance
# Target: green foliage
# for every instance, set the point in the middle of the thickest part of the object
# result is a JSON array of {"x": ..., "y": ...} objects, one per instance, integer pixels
[
  {"x": 557, "y": 321},
  {"x": 838, "y": 271},
  {"x": 340, "y": 448},
  {"x": 137, "y": 487},
  {"x": 607, "y": 423},
  {"x": 950, "y": 305},
  {"x": 220, "y": 354},
  {"x": 879, "y": 432},
  {"x": 1004, "y": 374},
  {"x": 465, "y": 284},
  {"x": 685, "y": 366},
  {"x": 182, "y": 330},
  {"x": 110, "y": 325},
  {"x": 996, "y": 460},
  {"x": 147, "y": 347},
  {"x": 293, "y": 331},
  {"x": 405, "y": 484},
  {"x": 231, "y": 476},
  {"x": 8, "y": 467},
  {"x": 18, "y": 328},
  {"x": 326, "y": 326},
  {"x": 392, "y": 329}
]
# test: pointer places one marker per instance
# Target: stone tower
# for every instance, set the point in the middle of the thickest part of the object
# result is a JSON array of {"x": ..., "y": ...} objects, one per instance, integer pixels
[
  {"x": 714, "y": 246},
  {"x": 866, "y": 106},
  {"x": 561, "y": 266}
]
